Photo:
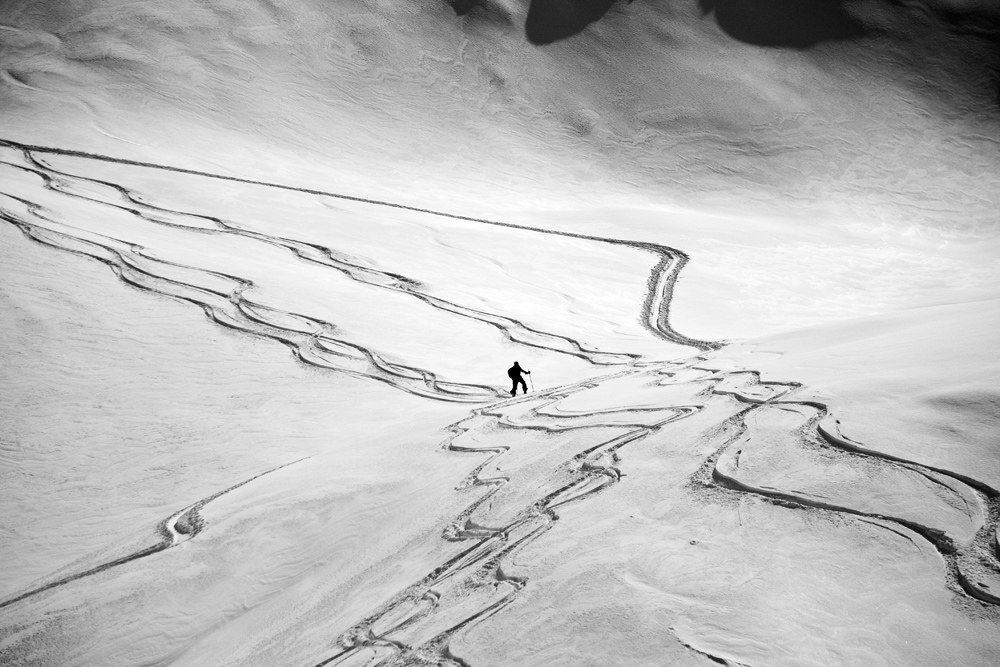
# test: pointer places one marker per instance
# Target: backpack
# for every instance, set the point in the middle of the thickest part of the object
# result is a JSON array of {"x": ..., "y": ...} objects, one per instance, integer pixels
[{"x": 512, "y": 372}]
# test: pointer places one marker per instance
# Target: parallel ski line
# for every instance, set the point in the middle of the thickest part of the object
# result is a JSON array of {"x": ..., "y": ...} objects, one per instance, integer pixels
[
  {"x": 656, "y": 308},
  {"x": 491, "y": 546},
  {"x": 512, "y": 329}
]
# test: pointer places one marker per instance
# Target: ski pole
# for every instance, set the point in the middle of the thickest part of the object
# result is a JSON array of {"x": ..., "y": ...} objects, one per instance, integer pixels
[{"x": 531, "y": 382}]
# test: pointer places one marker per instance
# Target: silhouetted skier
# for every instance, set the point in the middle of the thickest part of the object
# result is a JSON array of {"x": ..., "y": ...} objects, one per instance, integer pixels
[{"x": 514, "y": 373}]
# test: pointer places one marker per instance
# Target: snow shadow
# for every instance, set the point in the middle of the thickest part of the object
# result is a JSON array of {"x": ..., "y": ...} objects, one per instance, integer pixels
[
  {"x": 551, "y": 20},
  {"x": 797, "y": 24}
]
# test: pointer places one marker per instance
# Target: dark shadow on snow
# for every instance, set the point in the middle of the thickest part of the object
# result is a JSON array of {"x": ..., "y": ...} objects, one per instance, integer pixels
[
  {"x": 551, "y": 20},
  {"x": 778, "y": 23},
  {"x": 463, "y": 7},
  {"x": 795, "y": 24}
]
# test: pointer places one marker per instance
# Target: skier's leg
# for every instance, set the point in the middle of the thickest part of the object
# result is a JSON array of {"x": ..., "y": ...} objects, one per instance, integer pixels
[
  {"x": 524, "y": 387},
  {"x": 513, "y": 388}
]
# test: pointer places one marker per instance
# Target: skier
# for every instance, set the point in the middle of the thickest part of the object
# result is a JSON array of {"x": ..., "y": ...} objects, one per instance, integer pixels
[{"x": 514, "y": 373}]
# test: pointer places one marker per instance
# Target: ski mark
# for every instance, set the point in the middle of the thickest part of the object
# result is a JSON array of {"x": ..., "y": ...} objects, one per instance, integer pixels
[
  {"x": 179, "y": 527},
  {"x": 663, "y": 276},
  {"x": 972, "y": 570}
]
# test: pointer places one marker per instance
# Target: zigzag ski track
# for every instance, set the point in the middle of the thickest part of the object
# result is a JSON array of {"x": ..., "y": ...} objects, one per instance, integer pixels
[{"x": 377, "y": 639}]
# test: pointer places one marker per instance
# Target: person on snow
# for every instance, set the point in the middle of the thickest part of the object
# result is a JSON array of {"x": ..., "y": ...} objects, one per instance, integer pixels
[{"x": 514, "y": 373}]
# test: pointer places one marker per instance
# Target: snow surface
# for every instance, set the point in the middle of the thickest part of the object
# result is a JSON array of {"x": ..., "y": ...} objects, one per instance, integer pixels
[{"x": 263, "y": 265}]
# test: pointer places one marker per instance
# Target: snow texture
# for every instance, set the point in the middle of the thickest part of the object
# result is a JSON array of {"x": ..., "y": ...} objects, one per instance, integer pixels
[{"x": 263, "y": 266}]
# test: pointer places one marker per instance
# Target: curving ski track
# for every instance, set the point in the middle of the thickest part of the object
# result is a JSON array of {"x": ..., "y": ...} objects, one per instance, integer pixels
[
  {"x": 415, "y": 626},
  {"x": 180, "y": 526},
  {"x": 374, "y": 640},
  {"x": 656, "y": 308}
]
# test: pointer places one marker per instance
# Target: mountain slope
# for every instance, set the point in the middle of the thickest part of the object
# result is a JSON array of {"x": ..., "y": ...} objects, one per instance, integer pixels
[{"x": 264, "y": 264}]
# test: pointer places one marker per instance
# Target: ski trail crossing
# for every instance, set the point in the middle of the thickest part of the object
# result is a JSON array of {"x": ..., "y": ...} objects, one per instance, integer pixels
[{"x": 577, "y": 442}]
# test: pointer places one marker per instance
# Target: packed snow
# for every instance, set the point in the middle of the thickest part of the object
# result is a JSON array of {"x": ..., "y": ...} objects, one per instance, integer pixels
[{"x": 263, "y": 266}]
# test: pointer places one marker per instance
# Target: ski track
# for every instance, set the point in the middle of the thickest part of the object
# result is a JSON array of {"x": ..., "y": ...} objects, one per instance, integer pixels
[
  {"x": 438, "y": 604},
  {"x": 179, "y": 527},
  {"x": 310, "y": 339},
  {"x": 656, "y": 308},
  {"x": 593, "y": 470}
]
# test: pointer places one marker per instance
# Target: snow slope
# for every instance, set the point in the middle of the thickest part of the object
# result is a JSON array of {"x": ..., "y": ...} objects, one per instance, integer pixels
[
  {"x": 617, "y": 520},
  {"x": 263, "y": 264},
  {"x": 843, "y": 158}
]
